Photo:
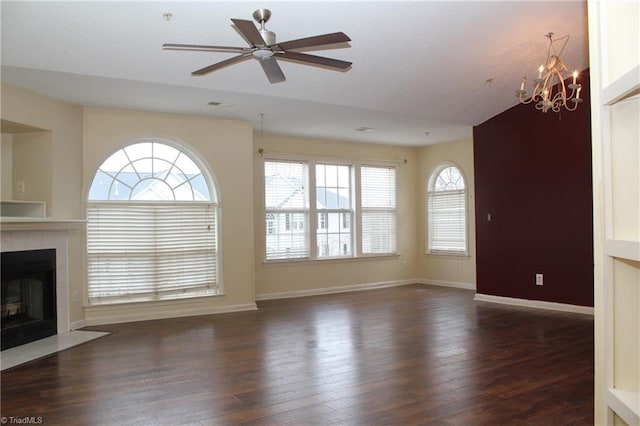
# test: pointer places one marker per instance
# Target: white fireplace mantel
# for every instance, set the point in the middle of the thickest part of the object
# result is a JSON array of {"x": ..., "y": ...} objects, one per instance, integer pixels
[
  {"x": 39, "y": 224},
  {"x": 18, "y": 234}
]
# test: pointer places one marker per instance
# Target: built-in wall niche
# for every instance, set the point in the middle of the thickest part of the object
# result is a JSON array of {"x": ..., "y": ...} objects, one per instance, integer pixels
[{"x": 26, "y": 173}]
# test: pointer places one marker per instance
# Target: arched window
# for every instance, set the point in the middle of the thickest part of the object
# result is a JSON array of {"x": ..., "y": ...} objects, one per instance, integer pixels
[
  {"x": 446, "y": 211},
  {"x": 152, "y": 227}
]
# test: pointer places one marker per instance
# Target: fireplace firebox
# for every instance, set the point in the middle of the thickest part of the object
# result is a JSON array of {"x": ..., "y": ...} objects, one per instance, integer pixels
[{"x": 28, "y": 296}]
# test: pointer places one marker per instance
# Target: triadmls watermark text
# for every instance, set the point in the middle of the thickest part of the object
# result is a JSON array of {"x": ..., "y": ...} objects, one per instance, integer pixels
[{"x": 21, "y": 420}]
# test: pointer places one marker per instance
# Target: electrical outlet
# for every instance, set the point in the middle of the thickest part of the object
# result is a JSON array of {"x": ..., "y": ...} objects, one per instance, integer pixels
[
  {"x": 75, "y": 296},
  {"x": 539, "y": 279}
]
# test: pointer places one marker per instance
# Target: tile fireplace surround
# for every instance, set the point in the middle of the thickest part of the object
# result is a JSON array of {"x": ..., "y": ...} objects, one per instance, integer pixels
[{"x": 18, "y": 235}]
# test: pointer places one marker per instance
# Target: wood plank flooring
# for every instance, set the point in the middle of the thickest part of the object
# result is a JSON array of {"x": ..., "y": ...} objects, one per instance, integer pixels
[{"x": 399, "y": 356}]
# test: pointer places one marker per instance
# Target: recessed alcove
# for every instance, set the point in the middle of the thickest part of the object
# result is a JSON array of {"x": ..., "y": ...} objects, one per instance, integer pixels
[{"x": 26, "y": 156}]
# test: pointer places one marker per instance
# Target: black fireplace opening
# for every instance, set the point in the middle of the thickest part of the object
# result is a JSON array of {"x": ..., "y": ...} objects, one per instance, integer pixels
[{"x": 28, "y": 296}]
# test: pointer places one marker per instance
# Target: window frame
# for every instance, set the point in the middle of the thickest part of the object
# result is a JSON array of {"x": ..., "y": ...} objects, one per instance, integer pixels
[
  {"x": 355, "y": 212},
  {"x": 430, "y": 189},
  {"x": 340, "y": 212},
  {"x": 287, "y": 213},
  {"x": 379, "y": 209},
  {"x": 213, "y": 203}
]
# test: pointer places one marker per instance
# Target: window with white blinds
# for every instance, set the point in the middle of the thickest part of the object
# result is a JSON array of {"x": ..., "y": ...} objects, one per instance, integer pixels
[
  {"x": 286, "y": 209},
  {"x": 152, "y": 231},
  {"x": 447, "y": 212},
  {"x": 378, "y": 200},
  {"x": 350, "y": 211},
  {"x": 151, "y": 251}
]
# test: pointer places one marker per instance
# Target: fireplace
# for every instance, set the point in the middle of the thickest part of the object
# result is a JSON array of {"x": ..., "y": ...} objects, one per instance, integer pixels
[{"x": 28, "y": 296}]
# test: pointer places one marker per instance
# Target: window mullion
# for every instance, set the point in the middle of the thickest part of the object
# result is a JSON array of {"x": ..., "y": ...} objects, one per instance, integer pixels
[
  {"x": 357, "y": 207},
  {"x": 313, "y": 213}
]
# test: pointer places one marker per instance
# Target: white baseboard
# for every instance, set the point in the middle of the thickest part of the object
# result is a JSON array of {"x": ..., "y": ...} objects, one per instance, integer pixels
[
  {"x": 77, "y": 324},
  {"x": 329, "y": 290},
  {"x": 466, "y": 286},
  {"x": 539, "y": 304},
  {"x": 120, "y": 315}
]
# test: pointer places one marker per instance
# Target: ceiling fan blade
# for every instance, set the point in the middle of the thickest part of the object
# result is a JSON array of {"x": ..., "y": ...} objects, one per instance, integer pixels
[
  {"x": 249, "y": 31},
  {"x": 222, "y": 64},
  {"x": 313, "y": 41},
  {"x": 272, "y": 69},
  {"x": 313, "y": 59},
  {"x": 206, "y": 48}
]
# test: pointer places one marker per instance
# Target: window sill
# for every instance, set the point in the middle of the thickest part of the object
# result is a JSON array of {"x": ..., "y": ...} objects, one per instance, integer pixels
[
  {"x": 306, "y": 261},
  {"x": 145, "y": 301},
  {"x": 448, "y": 254}
]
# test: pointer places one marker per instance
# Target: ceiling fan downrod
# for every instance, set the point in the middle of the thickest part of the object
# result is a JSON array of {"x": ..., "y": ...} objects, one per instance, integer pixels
[{"x": 262, "y": 16}]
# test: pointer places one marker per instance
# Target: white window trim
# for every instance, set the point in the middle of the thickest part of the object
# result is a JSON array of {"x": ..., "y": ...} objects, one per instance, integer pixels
[
  {"x": 429, "y": 189},
  {"x": 378, "y": 209},
  {"x": 313, "y": 202},
  {"x": 292, "y": 210},
  {"x": 356, "y": 234},
  {"x": 214, "y": 191}
]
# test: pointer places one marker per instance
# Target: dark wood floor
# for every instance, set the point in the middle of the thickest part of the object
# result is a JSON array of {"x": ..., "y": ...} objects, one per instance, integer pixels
[{"x": 399, "y": 356}]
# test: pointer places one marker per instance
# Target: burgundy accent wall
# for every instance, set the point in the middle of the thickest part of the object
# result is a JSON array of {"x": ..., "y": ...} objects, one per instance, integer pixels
[{"x": 533, "y": 176}]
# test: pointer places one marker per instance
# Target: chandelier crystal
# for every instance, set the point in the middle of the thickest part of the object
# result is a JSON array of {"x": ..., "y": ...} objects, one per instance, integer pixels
[{"x": 549, "y": 89}]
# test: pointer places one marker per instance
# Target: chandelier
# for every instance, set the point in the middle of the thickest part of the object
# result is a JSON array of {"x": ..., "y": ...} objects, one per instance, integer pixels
[{"x": 549, "y": 90}]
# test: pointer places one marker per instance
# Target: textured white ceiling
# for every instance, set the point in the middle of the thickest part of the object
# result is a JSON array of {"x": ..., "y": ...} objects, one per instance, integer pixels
[{"x": 419, "y": 66}]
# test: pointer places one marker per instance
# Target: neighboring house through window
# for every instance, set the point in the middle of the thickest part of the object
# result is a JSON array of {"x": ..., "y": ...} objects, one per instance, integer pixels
[
  {"x": 334, "y": 209},
  {"x": 287, "y": 208},
  {"x": 152, "y": 226},
  {"x": 446, "y": 211}
]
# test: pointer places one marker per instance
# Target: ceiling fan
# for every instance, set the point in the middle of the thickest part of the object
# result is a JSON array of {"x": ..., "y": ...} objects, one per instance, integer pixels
[{"x": 264, "y": 48}]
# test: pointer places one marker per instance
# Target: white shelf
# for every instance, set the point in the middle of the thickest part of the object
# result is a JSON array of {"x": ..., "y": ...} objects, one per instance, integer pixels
[
  {"x": 33, "y": 224},
  {"x": 629, "y": 250},
  {"x": 16, "y": 209},
  {"x": 623, "y": 87},
  {"x": 626, "y": 404}
]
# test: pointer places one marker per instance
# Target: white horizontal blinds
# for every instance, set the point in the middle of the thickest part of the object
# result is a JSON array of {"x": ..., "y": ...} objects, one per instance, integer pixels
[
  {"x": 334, "y": 209},
  {"x": 286, "y": 210},
  {"x": 447, "y": 221},
  {"x": 378, "y": 200},
  {"x": 447, "y": 216},
  {"x": 151, "y": 251}
]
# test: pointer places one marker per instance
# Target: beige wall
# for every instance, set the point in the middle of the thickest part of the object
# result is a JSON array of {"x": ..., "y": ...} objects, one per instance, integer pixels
[
  {"x": 32, "y": 167},
  {"x": 278, "y": 279},
  {"x": 63, "y": 122},
  {"x": 438, "y": 269},
  {"x": 6, "y": 167},
  {"x": 225, "y": 146}
]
